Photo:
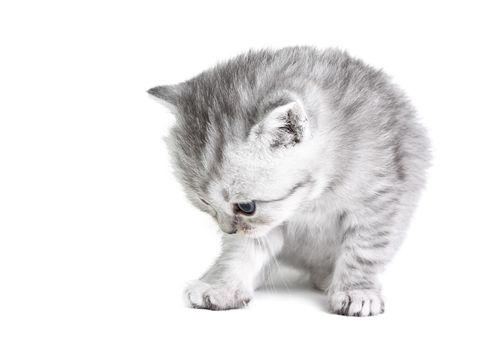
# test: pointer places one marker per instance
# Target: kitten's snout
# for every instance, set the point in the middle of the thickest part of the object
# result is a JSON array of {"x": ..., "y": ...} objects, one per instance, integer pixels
[
  {"x": 228, "y": 229},
  {"x": 231, "y": 232},
  {"x": 227, "y": 224}
]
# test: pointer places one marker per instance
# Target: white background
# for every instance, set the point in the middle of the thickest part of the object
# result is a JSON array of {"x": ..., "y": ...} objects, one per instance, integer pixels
[{"x": 96, "y": 237}]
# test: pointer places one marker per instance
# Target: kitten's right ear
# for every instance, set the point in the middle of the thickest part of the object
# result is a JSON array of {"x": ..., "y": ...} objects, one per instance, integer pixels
[
  {"x": 285, "y": 126},
  {"x": 168, "y": 94}
]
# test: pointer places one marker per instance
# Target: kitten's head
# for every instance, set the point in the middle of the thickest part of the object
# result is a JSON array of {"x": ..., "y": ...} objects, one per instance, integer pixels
[{"x": 243, "y": 156}]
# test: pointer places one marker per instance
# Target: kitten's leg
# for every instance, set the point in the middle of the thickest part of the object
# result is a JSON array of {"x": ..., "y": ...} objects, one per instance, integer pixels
[
  {"x": 321, "y": 277},
  {"x": 354, "y": 289},
  {"x": 231, "y": 281}
]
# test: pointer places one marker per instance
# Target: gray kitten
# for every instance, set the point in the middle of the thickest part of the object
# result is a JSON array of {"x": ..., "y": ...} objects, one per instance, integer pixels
[{"x": 309, "y": 156}]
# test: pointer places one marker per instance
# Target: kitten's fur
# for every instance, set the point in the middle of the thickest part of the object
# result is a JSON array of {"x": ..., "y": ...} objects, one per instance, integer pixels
[{"x": 328, "y": 148}]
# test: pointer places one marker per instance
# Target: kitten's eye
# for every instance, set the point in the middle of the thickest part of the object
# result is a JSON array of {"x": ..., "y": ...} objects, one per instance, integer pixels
[
  {"x": 247, "y": 208},
  {"x": 204, "y": 201}
]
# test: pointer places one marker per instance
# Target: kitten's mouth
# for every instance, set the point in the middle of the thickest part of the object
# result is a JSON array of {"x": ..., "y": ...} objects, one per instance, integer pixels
[{"x": 244, "y": 231}]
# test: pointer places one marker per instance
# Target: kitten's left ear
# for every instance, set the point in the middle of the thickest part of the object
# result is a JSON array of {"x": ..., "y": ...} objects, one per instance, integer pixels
[
  {"x": 169, "y": 94},
  {"x": 284, "y": 126}
]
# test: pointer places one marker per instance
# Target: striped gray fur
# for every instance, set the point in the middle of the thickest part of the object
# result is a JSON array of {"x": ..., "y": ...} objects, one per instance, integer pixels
[{"x": 329, "y": 150}]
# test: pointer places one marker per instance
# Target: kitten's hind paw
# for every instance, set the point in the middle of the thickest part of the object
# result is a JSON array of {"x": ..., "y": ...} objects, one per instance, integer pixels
[
  {"x": 357, "y": 303},
  {"x": 201, "y": 295}
]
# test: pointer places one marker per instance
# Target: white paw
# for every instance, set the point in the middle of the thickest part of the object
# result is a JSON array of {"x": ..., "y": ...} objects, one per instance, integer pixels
[
  {"x": 357, "y": 303},
  {"x": 201, "y": 295}
]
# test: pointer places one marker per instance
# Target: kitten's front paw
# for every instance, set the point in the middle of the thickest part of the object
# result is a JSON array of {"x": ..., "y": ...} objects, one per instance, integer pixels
[
  {"x": 357, "y": 303},
  {"x": 201, "y": 295}
]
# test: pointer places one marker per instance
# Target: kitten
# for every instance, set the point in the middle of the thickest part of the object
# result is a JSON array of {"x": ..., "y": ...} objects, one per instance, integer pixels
[{"x": 311, "y": 156}]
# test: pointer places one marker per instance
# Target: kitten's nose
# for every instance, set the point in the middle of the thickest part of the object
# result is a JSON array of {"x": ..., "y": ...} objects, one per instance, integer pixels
[
  {"x": 227, "y": 228},
  {"x": 226, "y": 224},
  {"x": 231, "y": 231}
]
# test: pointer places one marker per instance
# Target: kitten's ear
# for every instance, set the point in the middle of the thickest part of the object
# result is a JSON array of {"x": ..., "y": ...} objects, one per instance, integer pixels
[
  {"x": 284, "y": 126},
  {"x": 169, "y": 95}
]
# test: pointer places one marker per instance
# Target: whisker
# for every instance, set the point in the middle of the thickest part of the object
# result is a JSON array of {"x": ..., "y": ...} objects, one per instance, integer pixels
[
  {"x": 269, "y": 284},
  {"x": 277, "y": 264},
  {"x": 269, "y": 274}
]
